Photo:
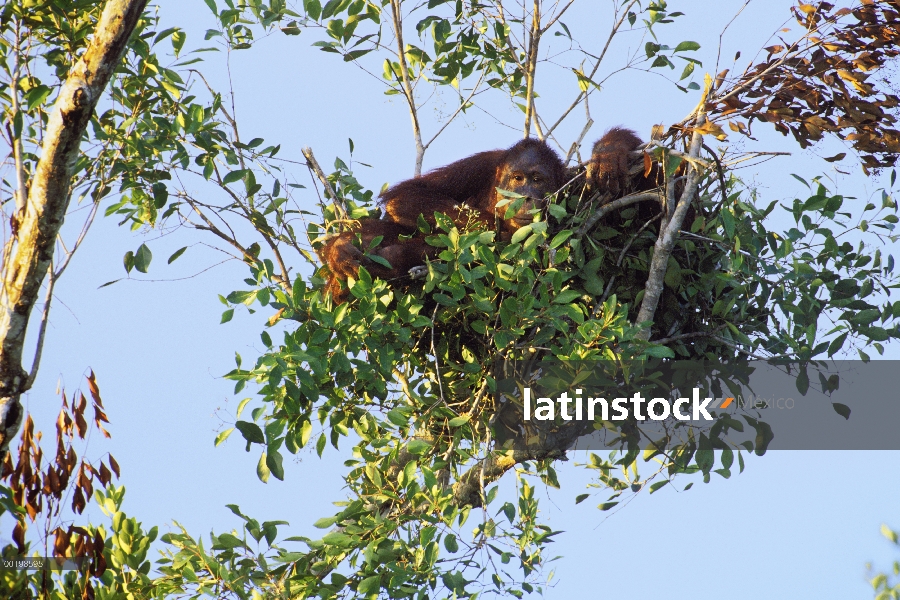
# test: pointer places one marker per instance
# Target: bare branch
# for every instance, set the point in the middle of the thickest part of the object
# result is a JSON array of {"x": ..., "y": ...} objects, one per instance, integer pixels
[
  {"x": 458, "y": 110},
  {"x": 583, "y": 94}
]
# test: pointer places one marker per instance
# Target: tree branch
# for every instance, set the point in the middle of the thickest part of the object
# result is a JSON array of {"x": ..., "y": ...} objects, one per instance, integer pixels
[
  {"x": 48, "y": 198},
  {"x": 669, "y": 229},
  {"x": 397, "y": 21}
]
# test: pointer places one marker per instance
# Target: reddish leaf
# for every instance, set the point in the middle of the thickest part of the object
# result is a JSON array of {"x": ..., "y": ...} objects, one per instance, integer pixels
[
  {"x": 95, "y": 389},
  {"x": 53, "y": 482},
  {"x": 61, "y": 544},
  {"x": 105, "y": 476},
  {"x": 78, "y": 502},
  {"x": 18, "y": 536}
]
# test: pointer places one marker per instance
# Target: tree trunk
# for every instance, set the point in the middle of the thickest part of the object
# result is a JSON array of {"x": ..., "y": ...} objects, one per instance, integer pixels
[{"x": 48, "y": 199}]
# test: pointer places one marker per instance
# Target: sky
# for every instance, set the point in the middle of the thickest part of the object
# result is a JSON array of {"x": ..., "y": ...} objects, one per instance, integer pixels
[{"x": 793, "y": 524}]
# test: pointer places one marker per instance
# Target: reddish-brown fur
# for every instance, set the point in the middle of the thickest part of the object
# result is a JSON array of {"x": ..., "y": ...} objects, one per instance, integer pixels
[{"x": 530, "y": 167}]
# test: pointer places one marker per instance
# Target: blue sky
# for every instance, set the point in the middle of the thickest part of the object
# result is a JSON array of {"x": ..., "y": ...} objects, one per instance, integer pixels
[{"x": 793, "y": 524}]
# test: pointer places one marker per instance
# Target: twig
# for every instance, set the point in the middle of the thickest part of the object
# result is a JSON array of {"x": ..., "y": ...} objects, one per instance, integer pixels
[
  {"x": 457, "y": 111},
  {"x": 577, "y": 143},
  {"x": 722, "y": 33},
  {"x": 621, "y": 258},
  {"x": 696, "y": 160},
  {"x": 313, "y": 164},
  {"x": 742, "y": 351},
  {"x": 685, "y": 336},
  {"x": 751, "y": 155},
  {"x": 585, "y": 93},
  {"x": 556, "y": 17},
  {"x": 42, "y": 329},
  {"x": 615, "y": 204},
  {"x": 720, "y": 172},
  {"x": 437, "y": 362}
]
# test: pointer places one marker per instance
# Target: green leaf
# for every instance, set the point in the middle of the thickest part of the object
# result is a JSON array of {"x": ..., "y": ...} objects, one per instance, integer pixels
[
  {"x": 521, "y": 233},
  {"x": 251, "y": 432},
  {"x": 305, "y": 432},
  {"x": 885, "y": 530},
  {"x": 229, "y": 541},
  {"x": 313, "y": 9},
  {"x": 164, "y": 34},
  {"x": 450, "y": 543},
  {"x": 36, "y": 96},
  {"x": 337, "y": 538},
  {"x": 837, "y": 344},
  {"x": 234, "y": 176},
  {"x": 398, "y": 417},
  {"x": 728, "y": 223},
  {"x": 178, "y": 39},
  {"x": 658, "y": 485},
  {"x": 325, "y": 522},
  {"x": 567, "y": 296},
  {"x": 561, "y": 237},
  {"x": 659, "y": 352},
  {"x": 672, "y": 164},
  {"x": 606, "y": 505},
  {"x": 262, "y": 470},
  {"x": 243, "y": 403},
  {"x": 176, "y": 254},
  {"x": 686, "y": 47},
  {"x": 274, "y": 463},
  {"x": 418, "y": 447},
  {"x": 331, "y": 8},
  {"x": 369, "y": 585},
  {"x": 223, "y": 435},
  {"x": 803, "y": 381},
  {"x": 142, "y": 258},
  {"x": 841, "y": 409},
  {"x": 865, "y": 317},
  {"x": 458, "y": 421}
]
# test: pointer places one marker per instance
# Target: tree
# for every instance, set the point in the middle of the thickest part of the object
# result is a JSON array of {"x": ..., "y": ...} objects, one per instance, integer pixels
[
  {"x": 45, "y": 181},
  {"x": 411, "y": 370}
]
